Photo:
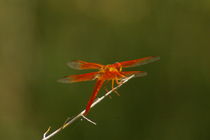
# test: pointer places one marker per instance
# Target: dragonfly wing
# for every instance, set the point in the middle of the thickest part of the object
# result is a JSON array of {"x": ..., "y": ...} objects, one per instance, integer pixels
[
  {"x": 79, "y": 78},
  {"x": 97, "y": 87},
  {"x": 138, "y": 62},
  {"x": 136, "y": 73},
  {"x": 81, "y": 65}
]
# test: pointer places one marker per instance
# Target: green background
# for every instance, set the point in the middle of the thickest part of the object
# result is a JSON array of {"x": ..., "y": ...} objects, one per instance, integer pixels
[{"x": 38, "y": 38}]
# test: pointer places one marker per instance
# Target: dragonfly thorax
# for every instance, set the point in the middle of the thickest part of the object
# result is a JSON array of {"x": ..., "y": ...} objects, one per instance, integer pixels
[{"x": 112, "y": 68}]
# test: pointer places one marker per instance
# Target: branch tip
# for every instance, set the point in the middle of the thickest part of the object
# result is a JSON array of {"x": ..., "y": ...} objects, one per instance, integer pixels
[
  {"x": 88, "y": 120},
  {"x": 44, "y": 135}
]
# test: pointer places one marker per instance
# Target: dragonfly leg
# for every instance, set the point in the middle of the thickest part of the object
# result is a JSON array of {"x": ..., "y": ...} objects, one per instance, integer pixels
[
  {"x": 112, "y": 83},
  {"x": 107, "y": 91},
  {"x": 112, "y": 88},
  {"x": 115, "y": 91},
  {"x": 116, "y": 80}
]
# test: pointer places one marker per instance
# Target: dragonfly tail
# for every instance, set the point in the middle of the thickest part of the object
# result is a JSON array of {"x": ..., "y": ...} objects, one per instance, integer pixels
[{"x": 97, "y": 87}]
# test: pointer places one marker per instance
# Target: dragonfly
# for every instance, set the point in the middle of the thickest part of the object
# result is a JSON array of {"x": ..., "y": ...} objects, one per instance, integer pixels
[{"x": 111, "y": 72}]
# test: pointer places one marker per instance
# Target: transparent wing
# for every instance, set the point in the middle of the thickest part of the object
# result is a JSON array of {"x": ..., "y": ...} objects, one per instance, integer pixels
[
  {"x": 79, "y": 78},
  {"x": 138, "y": 62},
  {"x": 81, "y": 65}
]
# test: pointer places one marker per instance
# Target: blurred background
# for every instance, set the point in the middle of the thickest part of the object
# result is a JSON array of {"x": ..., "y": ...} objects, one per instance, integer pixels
[{"x": 38, "y": 38}]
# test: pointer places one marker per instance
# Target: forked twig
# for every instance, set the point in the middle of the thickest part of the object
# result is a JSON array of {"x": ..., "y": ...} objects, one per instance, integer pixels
[{"x": 47, "y": 136}]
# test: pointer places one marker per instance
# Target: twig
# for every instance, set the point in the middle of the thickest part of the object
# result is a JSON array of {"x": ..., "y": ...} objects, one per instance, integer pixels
[
  {"x": 68, "y": 122},
  {"x": 88, "y": 120}
]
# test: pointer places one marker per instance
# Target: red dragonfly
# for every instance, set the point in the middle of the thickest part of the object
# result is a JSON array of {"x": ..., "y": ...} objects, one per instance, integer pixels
[{"x": 110, "y": 72}]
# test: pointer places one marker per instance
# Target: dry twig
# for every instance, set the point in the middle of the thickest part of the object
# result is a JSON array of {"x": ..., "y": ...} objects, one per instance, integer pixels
[{"x": 47, "y": 136}]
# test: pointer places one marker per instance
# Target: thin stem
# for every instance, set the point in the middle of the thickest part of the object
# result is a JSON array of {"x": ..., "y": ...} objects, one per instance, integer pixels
[{"x": 47, "y": 136}]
